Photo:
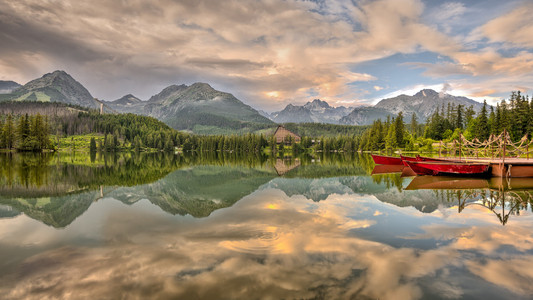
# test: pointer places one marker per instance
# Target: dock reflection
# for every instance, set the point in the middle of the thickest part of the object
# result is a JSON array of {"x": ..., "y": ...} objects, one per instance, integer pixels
[{"x": 505, "y": 197}]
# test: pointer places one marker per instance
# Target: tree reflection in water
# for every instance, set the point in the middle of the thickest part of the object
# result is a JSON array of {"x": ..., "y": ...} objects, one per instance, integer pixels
[{"x": 505, "y": 197}]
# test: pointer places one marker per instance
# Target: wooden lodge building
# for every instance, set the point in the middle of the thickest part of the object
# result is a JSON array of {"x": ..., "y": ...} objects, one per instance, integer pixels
[{"x": 282, "y": 133}]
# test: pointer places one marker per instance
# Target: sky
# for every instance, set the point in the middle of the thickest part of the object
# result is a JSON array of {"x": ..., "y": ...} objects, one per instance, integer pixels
[{"x": 270, "y": 53}]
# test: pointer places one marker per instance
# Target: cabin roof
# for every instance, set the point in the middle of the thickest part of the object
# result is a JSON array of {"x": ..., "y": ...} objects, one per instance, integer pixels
[{"x": 284, "y": 131}]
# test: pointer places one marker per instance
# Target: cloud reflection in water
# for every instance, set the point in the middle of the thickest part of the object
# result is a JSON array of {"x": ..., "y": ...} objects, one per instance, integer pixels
[{"x": 270, "y": 245}]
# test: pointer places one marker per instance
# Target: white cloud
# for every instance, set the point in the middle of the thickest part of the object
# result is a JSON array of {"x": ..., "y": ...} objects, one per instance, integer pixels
[
  {"x": 295, "y": 48},
  {"x": 514, "y": 28}
]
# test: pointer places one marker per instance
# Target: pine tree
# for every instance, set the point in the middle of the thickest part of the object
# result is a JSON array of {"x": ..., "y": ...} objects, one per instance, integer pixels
[
  {"x": 23, "y": 130},
  {"x": 169, "y": 145},
  {"x": 482, "y": 126},
  {"x": 414, "y": 125},
  {"x": 92, "y": 145},
  {"x": 391, "y": 141},
  {"x": 492, "y": 121},
  {"x": 459, "y": 119},
  {"x": 2, "y": 137},
  {"x": 399, "y": 128},
  {"x": 137, "y": 143},
  {"x": 9, "y": 133},
  {"x": 469, "y": 115}
]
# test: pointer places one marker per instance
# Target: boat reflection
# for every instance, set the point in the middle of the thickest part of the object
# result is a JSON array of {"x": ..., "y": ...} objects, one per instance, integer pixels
[
  {"x": 387, "y": 169},
  {"x": 446, "y": 182},
  {"x": 384, "y": 169},
  {"x": 504, "y": 197}
]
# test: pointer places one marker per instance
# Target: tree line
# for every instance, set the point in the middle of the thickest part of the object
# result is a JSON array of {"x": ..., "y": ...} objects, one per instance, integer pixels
[
  {"x": 129, "y": 131},
  {"x": 25, "y": 133},
  {"x": 446, "y": 123},
  {"x": 513, "y": 115}
]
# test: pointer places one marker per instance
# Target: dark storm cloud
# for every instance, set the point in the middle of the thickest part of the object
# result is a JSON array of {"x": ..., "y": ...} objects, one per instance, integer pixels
[{"x": 22, "y": 37}]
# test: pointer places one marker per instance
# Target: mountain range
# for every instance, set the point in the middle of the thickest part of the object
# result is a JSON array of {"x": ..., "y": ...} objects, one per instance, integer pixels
[
  {"x": 201, "y": 109},
  {"x": 423, "y": 104},
  {"x": 198, "y": 108},
  {"x": 317, "y": 111}
]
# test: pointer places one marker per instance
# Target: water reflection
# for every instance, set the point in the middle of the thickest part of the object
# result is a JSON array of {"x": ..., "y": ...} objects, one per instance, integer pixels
[
  {"x": 504, "y": 197},
  {"x": 56, "y": 189},
  {"x": 270, "y": 245},
  {"x": 214, "y": 226}
]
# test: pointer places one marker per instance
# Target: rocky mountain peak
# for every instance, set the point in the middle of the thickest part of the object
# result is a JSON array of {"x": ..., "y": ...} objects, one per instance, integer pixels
[
  {"x": 202, "y": 86},
  {"x": 57, "y": 86},
  {"x": 128, "y": 99},
  {"x": 317, "y": 104},
  {"x": 316, "y": 111},
  {"x": 166, "y": 92},
  {"x": 427, "y": 93}
]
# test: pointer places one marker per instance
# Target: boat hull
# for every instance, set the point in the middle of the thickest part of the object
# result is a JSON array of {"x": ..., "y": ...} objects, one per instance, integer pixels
[
  {"x": 386, "y": 160},
  {"x": 449, "y": 168},
  {"x": 419, "y": 158},
  {"x": 418, "y": 169}
]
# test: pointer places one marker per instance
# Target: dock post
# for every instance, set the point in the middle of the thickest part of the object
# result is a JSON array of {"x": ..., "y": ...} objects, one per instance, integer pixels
[
  {"x": 460, "y": 137},
  {"x": 504, "y": 144}
]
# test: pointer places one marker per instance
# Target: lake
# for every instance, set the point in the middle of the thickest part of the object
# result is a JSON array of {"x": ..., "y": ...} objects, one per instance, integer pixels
[{"x": 222, "y": 226}]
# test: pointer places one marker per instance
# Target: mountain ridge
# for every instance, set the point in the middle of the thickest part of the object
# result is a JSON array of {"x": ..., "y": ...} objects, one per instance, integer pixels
[
  {"x": 423, "y": 104},
  {"x": 316, "y": 111},
  {"x": 57, "y": 86},
  {"x": 200, "y": 108}
]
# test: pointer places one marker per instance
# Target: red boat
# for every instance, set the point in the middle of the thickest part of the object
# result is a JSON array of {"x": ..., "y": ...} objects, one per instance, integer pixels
[
  {"x": 417, "y": 169},
  {"x": 386, "y": 160},
  {"x": 423, "y": 158},
  {"x": 417, "y": 158},
  {"x": 448, "y": 168}
]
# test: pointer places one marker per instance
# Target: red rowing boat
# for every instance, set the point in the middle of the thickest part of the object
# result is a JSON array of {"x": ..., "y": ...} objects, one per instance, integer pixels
[
  {"x": 386, "y": 160},
  {"x": 424, "y": 158},
  {"x": 405, "y": 159},
  {"x": 448, "y": 168}
]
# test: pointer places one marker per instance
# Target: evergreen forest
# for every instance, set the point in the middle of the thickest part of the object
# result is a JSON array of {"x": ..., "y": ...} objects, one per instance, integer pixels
[{"x": 24, "y": 128}]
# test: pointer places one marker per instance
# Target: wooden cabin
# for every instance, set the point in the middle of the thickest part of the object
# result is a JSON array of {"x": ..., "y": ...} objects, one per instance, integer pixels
[{"x": 282, "y": 133}]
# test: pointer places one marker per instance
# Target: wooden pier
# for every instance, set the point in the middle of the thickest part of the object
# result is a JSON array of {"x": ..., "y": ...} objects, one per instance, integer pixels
[{"x": 506, "y": 159}]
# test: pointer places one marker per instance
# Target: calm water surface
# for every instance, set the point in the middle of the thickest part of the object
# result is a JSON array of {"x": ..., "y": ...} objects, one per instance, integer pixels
[{"x": 227, "y": 227}]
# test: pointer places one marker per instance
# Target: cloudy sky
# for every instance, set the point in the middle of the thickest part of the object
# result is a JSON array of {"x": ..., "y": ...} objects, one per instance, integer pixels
[{"x": 270, "y": 53}]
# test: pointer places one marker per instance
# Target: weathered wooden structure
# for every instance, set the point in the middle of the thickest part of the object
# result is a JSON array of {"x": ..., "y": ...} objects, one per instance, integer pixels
[
  {"x": 505, "y": 157},
  {"x": 282, "y": 134}
]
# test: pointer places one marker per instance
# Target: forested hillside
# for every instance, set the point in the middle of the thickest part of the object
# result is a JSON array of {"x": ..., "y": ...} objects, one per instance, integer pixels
[{"x": 446, "y": 123}]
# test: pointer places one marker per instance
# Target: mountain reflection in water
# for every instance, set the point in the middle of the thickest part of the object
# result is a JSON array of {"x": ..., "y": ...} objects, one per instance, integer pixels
[{"x": 228, "y": 227}]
